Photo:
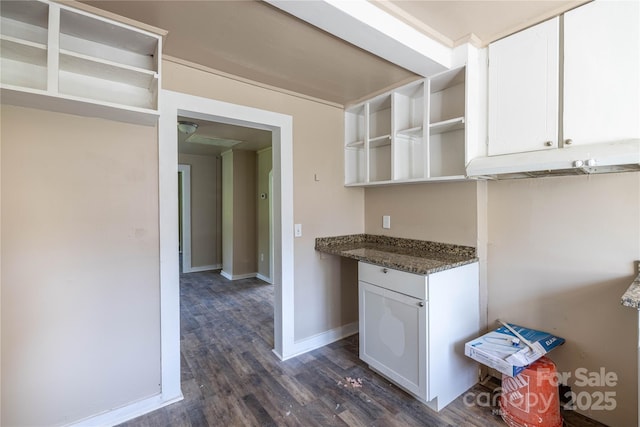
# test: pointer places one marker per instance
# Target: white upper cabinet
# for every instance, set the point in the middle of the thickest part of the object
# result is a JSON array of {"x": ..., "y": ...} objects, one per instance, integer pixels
[
  {"x": 602, "y": 72},
  {"x": 571, "y": 81},
  {"x": 523, "y": 90},
  {"x": 63, "y": 59},
  {"x": 415, "y": 133},
  {"x": 384, "y": 137},
  {"x": 24, "y": 28}
]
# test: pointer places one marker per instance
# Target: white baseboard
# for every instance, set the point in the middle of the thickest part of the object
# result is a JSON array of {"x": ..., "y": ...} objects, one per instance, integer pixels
[
  {"x": 237, "y": 276},
  {"x": 126, "y": 413},
  {"x": 263, "y": 278},
  {"x": 204, "y": 268},
  {"x": 322, "y": 339}
]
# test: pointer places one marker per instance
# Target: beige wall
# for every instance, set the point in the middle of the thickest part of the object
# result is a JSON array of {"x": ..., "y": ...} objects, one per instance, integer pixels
[
  {"x": 324, "y": 207},
  {"x": 80, "y": 294},
  {"x": 206, "y": 223},
  {"x": 561, "y": 254},
  {"x": 80, "y": 252},
  {"x": 264, "y": 167},
  {"x": 440, "y": 212}
]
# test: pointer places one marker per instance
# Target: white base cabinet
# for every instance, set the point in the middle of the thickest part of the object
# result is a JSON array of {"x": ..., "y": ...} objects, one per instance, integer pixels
[
  {"x": 413, "y": 329},
  {"x": 394, "y": 336}
]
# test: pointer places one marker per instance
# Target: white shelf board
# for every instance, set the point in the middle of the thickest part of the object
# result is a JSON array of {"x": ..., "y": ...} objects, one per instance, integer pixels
[
  {"x": 101, "y": 68},
  {"x": 447, "y": 178},
  {"x": 23, "y": 50},
  {"x": 23, "y": 74},
  {"x": 452, "y": 178},
  {"x": 355, "y": 144},
  {"x": 23, "y": 30},
  {"x": 446, "y": 126},
  {"x": 415, "y": 132},
  {"x": 380, "y": 141},
  {"x": 82, "y": 25},
  {"x": 40, "y": 99}
]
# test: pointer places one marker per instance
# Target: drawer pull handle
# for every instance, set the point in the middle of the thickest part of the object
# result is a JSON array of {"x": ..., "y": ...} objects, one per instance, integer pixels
[
  {"x": 421, "y": 304},
  {"x": 385, "y": 270}
]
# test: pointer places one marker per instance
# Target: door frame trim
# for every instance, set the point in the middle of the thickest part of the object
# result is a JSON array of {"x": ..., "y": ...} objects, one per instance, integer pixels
[
  {"x": 176, "y": 104},
  {"x": 185, "y": 209}
]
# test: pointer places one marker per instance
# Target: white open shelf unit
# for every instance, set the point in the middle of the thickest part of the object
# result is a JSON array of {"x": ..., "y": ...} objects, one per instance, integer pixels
[
  {"x": 415, "y": 133},
  {"x": 56, "y": 57}
]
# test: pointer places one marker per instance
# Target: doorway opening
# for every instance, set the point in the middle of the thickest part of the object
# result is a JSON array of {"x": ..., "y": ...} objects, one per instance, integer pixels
[
  {"x": 223, "y": 192},
  {"x": 280, "y": 126}
]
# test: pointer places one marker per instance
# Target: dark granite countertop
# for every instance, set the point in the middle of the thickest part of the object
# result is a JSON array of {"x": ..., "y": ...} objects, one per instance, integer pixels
[
  {"x": 410, "y": 255},
  {"x": 631, "y": 297}
]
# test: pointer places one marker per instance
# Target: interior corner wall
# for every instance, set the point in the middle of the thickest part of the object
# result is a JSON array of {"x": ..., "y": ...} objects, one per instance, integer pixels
[
  {"x": 265, "y": 161},
  {"x": 80, "y": 311},
  {"x": 324, "y": 206},
  {"x": 561, "y": 254},
  {"x": 206, "y": 202}
]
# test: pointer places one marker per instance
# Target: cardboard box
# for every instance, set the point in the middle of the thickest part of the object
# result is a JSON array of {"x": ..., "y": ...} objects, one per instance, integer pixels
[{"x": 502, "y": 350}]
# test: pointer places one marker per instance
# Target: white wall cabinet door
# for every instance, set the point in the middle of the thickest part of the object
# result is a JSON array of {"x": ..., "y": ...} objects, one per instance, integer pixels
[
  {"x": 602, "y": 72},
  {"x": 393, "y": 336},
  {"x": 523, "y": 90}
]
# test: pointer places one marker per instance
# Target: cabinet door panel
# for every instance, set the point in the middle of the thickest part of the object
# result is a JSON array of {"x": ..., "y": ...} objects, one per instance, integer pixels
[
  {"x": 393, "y": 336},
  {"x": 602, "y": 72},
  {"x": 523, "y": 90}
]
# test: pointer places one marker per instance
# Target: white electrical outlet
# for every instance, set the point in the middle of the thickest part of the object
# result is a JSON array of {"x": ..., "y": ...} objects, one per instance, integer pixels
[
  {"x": 297, "y": 230},
  {"x": 386, "y": 221}
]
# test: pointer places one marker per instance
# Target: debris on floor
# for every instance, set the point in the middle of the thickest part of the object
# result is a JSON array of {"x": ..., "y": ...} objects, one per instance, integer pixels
[{"x": 353, "y": 382}]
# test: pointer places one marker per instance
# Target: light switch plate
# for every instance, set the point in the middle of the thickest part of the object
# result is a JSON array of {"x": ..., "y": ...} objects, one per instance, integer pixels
[
  {"x": 386, "y": 221},
  {"x": 297, "y": 230}
]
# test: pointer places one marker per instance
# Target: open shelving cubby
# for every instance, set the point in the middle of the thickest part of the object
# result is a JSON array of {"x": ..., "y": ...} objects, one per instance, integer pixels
[
  {"x": 115, "y": 63},
  {"x": 409, "y": 113},
  {"x": 355, "y": 166},
  {"x": 414, "y": 133},
  {"x": 379, "y": 141},
  {"x": 23, "y": 44},
  {"x": 447, "y": 124},
  {"x": 57, "y": 57}
]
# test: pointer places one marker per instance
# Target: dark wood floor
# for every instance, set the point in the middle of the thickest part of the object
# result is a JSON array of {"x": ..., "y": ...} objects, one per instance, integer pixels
[{"x": 230, "y": 377}]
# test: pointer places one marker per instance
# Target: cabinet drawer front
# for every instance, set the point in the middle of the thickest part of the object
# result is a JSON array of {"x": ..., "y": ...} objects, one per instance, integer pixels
[{"x": 414, "y": 285}]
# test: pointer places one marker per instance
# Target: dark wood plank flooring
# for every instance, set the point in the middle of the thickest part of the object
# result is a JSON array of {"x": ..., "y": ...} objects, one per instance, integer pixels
[{"x": 230, "y": 376}]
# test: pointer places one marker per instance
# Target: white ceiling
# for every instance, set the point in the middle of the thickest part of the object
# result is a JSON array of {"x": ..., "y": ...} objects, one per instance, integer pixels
[
  {"x": 257, "y": 41},
  {"x": 251, "y": 139}
]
